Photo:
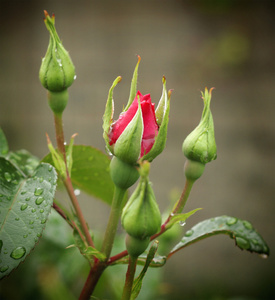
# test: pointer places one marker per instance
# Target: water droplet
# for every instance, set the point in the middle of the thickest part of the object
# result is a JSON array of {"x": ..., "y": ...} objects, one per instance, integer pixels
[
  {"x": 74, "y": 77},
  {"x": 36, "y": 240},
  {"x": 18, "y": 253},
  {"x": 41, "y": 179},
  {"x": 28, "y": 199},
  {"x": 31, "y": 222},
  {"x": 255, "y": 242},
  {"x": 39, "y": 200},
  {"x": 38, "y": 191},
  {"x": 43, "y": 221},
  {"x": 4, "y": 269},
  {"x": 7, "y": 176},
  {"x": 189, "y": 233},
  {"x": 9, "y": 198},
  {"x": 33, "y": 210},
  {"x": 24, "y": 206},
  {"x": 25, "y": 236},
  {"x": 17, "y": 219},
  {"x": 242, "y": 243},
  {"x": 231, "y": 221},
  {"x": 264, "y": 256},
  {"x": 41, "y": 210},
  {"x": 247, "y": 225},
  {"x": 182, "y": 223},
  {"x": 77, "y": 192},
  {"x": 23, "y": 192},
  {"x": 50, "y": 168},
  {"x": 39, "y": 234}
]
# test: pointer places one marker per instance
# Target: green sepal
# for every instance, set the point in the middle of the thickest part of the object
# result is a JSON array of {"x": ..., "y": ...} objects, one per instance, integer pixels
[
  {"x": 133, "y": 88},
  {"x": 162, "y": 105},
  {"x": 160, "y": 141},
  {"x": 127, "y": 146},
  {"x": 108, "y": 114}
]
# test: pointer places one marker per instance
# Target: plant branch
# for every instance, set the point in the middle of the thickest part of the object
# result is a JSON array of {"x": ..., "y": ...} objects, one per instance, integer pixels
[
  {"x": 113, "y": 221},
  {"x": 127, "y": 291}
]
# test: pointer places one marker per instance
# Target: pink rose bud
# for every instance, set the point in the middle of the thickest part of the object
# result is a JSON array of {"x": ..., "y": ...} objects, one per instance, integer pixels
[
  {"x": 140, "y": 131},
  {"x": 150, "y": 126}
]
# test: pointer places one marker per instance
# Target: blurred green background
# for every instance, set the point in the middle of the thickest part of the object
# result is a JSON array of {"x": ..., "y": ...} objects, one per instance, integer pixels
[{"x": 225, "y": 44}]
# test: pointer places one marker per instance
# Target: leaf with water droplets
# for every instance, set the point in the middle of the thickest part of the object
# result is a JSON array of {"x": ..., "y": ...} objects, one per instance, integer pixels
[
  {"x": 25, "y": 204},
  {"x": 90, "y": 172},
  {"x": 244, "y": 234}
]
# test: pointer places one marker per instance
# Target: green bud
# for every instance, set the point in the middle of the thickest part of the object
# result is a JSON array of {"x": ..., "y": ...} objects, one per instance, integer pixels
[
  {"x": 141, "y": 216},
  {"x": 57, "y": 71},
  {"x": 58, "y": 101},
  {"x": 200, "y": 144},
  {"x": 135, "y": 246},
  {"x": 123, "y": 174}
]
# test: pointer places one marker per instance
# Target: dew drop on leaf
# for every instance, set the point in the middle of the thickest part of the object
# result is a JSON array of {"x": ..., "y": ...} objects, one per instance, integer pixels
[
  {"x": 242, "y": 243},
  {"x": 39, "y": 200},
  {"x": 231, "y": 221},
  {"x": 4, "y": 269},
  {"x": 24, "y": 206},
  {"x": 43, "y": 221},
  {"x": 189, "y": 233},
  {"x": 7, "y": 176},
  {"x": 18, "y": 253},
  {"x": 28, "y": 199},
  {"x": 38, "y": 191},
  {"x": 247, "y": 225}
]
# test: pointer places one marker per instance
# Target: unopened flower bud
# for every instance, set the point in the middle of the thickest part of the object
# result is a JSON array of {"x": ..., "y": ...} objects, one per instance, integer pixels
[
  {"x": 57, "y": 71},
  {"x": 141, "y": 216},
  {"x": 200, "y": 144}
]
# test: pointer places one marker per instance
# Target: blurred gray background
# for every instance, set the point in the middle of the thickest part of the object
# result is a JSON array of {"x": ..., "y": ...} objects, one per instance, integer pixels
[{"x": 228, "y": 45}]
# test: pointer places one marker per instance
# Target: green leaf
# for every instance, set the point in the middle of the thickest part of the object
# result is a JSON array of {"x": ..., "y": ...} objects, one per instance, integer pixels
[
  {"x": 4, "y": 147},
  {"x": 245, "y": 236},
  {"x": 25, "y": 204},
  {"x": 90, "y": 172},
  {"x": 180, "y": 218},
  {"x": 24, "y": 161}
]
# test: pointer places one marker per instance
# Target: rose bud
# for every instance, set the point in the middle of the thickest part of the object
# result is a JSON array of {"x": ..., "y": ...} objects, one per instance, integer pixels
[
  {"x": 141, "y": 216},
  {"x": 137, "y": 134},
  {"x": 57, "y": 71},
  {"x": 200, "y": 145}
]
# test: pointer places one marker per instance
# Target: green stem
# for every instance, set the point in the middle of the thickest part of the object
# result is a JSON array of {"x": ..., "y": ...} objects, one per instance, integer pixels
[
  {"x": 67, "y": 181},
  {"x": 183, "y": 198},
  {"x": 127, "y": 291},
  {"x": 113, "y": 221}
]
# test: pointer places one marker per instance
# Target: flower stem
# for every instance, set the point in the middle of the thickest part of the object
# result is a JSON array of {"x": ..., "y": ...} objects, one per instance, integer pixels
[
  {"x": 183, "y": 198},
  {"x": 127, "y": 291},
  {"x": 67, "y": 181},
  {"x": 113, "y": 221}
]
